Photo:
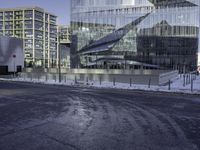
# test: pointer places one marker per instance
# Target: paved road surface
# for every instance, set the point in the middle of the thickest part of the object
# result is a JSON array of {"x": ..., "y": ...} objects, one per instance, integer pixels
[{"x": 45, "y": 117}]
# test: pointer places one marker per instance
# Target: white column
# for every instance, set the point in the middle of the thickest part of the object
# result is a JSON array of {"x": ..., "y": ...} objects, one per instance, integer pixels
[
  {"x": 57, "y": 53},
  {"x": 24, "y": 33},
  {"x": 44, "y": 45},
  {"x": 49, "y": 57},
  {"x": 34, "y": 36},
  {"x": 13, "y": 29}
]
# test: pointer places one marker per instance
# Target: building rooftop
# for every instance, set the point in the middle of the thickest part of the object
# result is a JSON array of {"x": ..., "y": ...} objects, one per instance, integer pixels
[{"x": 26, "y": 8}]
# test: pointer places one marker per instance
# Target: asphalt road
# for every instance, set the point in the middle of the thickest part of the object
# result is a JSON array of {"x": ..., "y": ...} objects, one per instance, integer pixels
[{"x": 46, "y": 117}]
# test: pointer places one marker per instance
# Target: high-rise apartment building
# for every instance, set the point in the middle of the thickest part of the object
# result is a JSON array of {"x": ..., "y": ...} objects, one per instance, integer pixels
[
  {"x": 63, "y": 48},
  {"x": 132, "y": 34},
  {"x": 38, "y": 30},
  {"x": 64, "y": 33}
]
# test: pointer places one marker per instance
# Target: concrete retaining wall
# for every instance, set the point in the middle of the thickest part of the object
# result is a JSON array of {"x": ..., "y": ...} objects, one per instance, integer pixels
[
  {"x": 167, "y": 76},
  {"x": 155, "y": 77}
]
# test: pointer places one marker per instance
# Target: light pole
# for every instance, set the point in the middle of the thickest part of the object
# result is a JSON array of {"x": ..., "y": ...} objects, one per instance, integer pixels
[
  {"x": 59, "y": 57},
  {"x": 14, "y": 56}
]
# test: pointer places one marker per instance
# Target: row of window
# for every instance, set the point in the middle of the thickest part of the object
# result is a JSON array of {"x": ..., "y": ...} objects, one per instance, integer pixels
[{"x": 28, "y": 15}]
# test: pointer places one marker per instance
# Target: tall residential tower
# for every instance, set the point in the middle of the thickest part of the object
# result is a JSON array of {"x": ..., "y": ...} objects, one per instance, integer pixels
[{"x": 38, "y": 30}]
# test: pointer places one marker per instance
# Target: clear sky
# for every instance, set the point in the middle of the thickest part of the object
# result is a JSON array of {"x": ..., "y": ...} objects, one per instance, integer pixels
[{"x": 60, "y": 8}]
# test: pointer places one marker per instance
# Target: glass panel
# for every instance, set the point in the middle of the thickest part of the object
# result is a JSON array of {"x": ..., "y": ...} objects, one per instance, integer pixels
[{"x": 128, "y": 33}]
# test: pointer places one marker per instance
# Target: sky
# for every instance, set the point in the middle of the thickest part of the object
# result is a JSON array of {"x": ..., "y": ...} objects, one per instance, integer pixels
[{"x": 60, "y": 8}]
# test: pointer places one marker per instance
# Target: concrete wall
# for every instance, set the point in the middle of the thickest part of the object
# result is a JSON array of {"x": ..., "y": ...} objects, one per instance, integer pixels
[
  {"x": 100, "y": 71},
  {"x": 168, "y": 76},
  {"x": 135, "y": 79},
  {"x": 157, "y": 77}
]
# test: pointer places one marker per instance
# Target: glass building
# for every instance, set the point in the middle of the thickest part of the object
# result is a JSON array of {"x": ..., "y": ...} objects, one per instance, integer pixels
[
  {"x": 63, "y": 46},
  {"x": 133, "y": 34},
  {"x": 38, "y": 30}
]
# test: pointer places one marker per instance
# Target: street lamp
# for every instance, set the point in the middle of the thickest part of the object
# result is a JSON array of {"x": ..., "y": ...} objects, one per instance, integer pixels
[
  {"x": 14, "y": 56},
  {"x": 59, "y": 57}
]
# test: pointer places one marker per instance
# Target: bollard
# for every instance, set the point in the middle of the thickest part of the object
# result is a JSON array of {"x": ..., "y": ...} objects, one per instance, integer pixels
[
  {"x": 184, "y": 80},
  {"x": 189, "y": 78},
  {"x": 65, "y": 79},
  {"x": 100, "y": 80},
  {"x": 149, "y": 85},
  {"x": 59, "y": 78},
  {"x": 46, "y": 77},
  {"x": 87, "y": 80},
  {"x": 130, "y": 82},
  {"x": 113, "y": 81},
  {"x": 169, "y": 87},
  {"x": 75, "y": 80},
  {"x": 192, "y": 85}
]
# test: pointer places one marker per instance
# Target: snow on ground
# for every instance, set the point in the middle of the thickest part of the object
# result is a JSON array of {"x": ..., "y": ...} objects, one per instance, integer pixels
[{"x": 176, "y": 87}]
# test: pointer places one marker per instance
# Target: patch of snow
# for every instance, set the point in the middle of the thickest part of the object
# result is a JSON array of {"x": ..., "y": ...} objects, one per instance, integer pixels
[{"x": 176, "y": 87}]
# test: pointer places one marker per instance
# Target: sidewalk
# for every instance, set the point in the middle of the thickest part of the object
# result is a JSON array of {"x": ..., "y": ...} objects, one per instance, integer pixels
[{"x": 175, "y": 87}]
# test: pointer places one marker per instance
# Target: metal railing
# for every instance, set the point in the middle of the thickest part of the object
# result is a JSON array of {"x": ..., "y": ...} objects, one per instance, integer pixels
[{"x": 187, "y": 81}]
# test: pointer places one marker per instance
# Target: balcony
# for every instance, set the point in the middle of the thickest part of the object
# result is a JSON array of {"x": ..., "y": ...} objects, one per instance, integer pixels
[{"x": 8, "y": 18}]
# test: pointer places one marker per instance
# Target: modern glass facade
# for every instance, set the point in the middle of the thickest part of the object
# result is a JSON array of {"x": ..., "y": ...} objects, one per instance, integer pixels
[
  {"x": 64, "y": 36},
  {"x": 37, "y": 29},
  {"x": 130, "y": 34}
]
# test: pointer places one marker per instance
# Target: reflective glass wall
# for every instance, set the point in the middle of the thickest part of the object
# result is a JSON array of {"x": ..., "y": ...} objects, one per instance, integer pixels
[{"x": 130, "y": 34}]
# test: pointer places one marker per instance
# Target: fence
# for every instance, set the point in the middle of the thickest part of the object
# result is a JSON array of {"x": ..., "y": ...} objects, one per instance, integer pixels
[{"x": 185, "y": 81}]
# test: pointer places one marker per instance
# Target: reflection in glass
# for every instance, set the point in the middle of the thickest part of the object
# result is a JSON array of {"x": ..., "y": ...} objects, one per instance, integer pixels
[{"x": 130, "y": 34}]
